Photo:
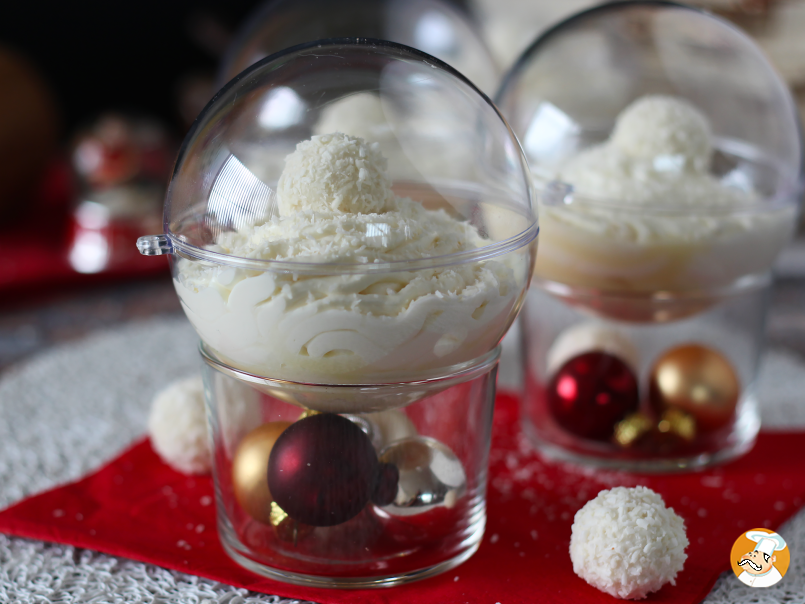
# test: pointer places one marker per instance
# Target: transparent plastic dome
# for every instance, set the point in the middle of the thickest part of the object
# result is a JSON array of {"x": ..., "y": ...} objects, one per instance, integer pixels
[
  {"x": 666, "y": 152},
  {"x": 390, "y": 242},
  {"x": 432, "y": 26}
]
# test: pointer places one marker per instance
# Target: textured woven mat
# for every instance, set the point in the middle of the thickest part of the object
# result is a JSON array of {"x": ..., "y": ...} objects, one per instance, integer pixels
[{"x": 68, "y": 411}]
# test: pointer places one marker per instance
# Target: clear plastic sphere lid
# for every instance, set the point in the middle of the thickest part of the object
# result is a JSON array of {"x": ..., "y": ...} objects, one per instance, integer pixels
[
  {"x": 665, "y": 149},
  {"x": 349, "y": 211}
]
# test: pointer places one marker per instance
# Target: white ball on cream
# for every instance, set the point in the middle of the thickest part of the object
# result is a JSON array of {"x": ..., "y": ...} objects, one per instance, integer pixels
[
  {"x": 657, "y": 126},
  {"x": 335, "y": 172}
]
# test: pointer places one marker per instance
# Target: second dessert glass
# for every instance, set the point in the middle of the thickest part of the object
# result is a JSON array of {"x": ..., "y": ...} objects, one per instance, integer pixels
[
  {"x": 667, "y": 158},
  {"x": 350, "y": 309}
]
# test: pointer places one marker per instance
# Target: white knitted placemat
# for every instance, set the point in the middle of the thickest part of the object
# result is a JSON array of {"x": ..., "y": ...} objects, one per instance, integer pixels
[{"x": 69, "y": 410}]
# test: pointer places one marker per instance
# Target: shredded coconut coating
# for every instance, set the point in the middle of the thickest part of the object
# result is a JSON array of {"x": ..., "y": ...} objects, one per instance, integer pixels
[
  {"x": 658, "y": 126},
  {"x": 409, "y": 232},
  {"x": 626, "y": 543},
  {"x": 335, "y": 172},
  {"x": 658, "y": 154},
  {"x": 604, "y": 172},
  {"x": 178, "y": 427}
]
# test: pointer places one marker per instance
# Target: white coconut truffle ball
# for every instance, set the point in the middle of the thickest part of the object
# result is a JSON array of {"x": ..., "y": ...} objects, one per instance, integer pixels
[
  {"x": 360, "y": 115},
  {"x": 587, "y": 337},
  {"x": 178, "y": 427},
  {"x": 626, "y": 543},
  {"x": 335, "y": 172},
  {"x": 655, "y": 125}
]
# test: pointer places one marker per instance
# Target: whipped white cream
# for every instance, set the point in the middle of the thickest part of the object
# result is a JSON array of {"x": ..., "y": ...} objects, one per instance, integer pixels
[
  {"x": 337, "y": 327},
  {"x": 648, "y": 216}
]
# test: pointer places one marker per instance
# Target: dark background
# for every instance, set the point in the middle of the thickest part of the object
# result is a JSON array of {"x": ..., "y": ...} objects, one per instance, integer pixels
[
  {"x": 101, "y": 55},
  {"x": 138, "y": 57}
]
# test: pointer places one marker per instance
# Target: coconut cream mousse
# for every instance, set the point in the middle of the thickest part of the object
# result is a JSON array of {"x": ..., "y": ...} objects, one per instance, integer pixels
[
  {"x": 647, "y": 214},
  {"x": 336, "y": 208}
]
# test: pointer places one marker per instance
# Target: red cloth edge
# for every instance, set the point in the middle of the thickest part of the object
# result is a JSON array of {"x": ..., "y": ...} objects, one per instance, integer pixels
[{"x": 25, "y": 519}]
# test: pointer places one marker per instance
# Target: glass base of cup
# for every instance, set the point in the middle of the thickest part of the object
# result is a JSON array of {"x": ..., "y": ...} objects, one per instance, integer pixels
[
  {"x": 437, "y": 445},
  {"x": 239, "y": 553},
  {"x": 741, "y": 439}
]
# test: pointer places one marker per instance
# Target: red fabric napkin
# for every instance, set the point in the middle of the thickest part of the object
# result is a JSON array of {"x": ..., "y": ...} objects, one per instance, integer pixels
[{"x": 139, "y": 508}]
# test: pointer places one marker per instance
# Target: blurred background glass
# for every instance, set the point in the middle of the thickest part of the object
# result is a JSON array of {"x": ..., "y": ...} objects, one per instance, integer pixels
[{"x": 433, "y": 26}]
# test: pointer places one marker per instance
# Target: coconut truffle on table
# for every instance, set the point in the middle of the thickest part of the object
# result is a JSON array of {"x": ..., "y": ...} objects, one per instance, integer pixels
[
  {"x": 177, "y": 425},
  {"x": 626, "y": 543}
]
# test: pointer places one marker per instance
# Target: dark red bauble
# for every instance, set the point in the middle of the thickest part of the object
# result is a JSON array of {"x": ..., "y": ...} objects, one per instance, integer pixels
[
  {"x": 388, "y": 478},
  {"x": 322, "y": 470},
  {"x": 591, "y": 393}
]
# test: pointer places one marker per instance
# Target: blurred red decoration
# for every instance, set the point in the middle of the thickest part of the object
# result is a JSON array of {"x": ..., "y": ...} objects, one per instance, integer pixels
[
  {"x": 591, "y": 393},
  {"x": 122, "y": 164}
]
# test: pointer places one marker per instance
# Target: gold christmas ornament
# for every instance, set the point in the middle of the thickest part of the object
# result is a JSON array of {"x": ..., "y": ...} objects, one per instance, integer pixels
[
  {"x": 632, "y": 428},
  {"x": 286, "y": 528},
  {"x": 665, "y": 435},
  {"x": 698, "y": 381},
  {"x": 250, "y": 470},
  {"x": 678, "y": 423}
]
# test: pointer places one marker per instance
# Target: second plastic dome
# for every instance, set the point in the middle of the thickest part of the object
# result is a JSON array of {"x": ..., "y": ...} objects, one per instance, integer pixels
[{"x": 665, "y": 149}]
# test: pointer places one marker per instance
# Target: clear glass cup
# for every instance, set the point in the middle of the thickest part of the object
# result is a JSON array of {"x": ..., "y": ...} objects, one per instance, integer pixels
[
  {"x": 433, "y": 26},
  {"x": 351, "y": 309},
  {"x": 639, "y": 433},
  {"x": 435, "y": 439}
]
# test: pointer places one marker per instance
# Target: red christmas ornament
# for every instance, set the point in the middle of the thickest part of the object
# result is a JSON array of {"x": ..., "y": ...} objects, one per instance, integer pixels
[
  {"x": 388, "y": 477},
  {"x": 591, "y": 393},
  {"x": 322, "y": 470}
]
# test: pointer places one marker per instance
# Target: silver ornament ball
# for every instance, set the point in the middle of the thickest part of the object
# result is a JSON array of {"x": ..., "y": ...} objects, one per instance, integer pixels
[{"x": 431, "y": 475}]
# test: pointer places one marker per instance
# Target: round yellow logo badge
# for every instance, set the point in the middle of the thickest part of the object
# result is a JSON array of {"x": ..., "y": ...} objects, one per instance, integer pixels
[{"x": 760, "y": 558}]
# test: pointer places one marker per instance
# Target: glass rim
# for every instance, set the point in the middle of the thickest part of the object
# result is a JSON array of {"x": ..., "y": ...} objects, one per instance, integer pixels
[
  {"x": 739, "y": 287},
  {"x": 465, "y": 372},
  {"x": 189, "y": 251},
  {"x": 557, "y": 194}
]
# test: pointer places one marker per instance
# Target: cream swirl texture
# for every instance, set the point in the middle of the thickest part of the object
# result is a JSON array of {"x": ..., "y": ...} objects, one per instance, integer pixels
[{"x": 348, "y": 326}]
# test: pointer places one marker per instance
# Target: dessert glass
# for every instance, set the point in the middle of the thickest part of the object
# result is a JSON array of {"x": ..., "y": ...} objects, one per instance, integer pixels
[
  {"x": 393, "y": 360},
  {"x": 438, "y": 437},
  {"x": 650, "y": 272}
]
